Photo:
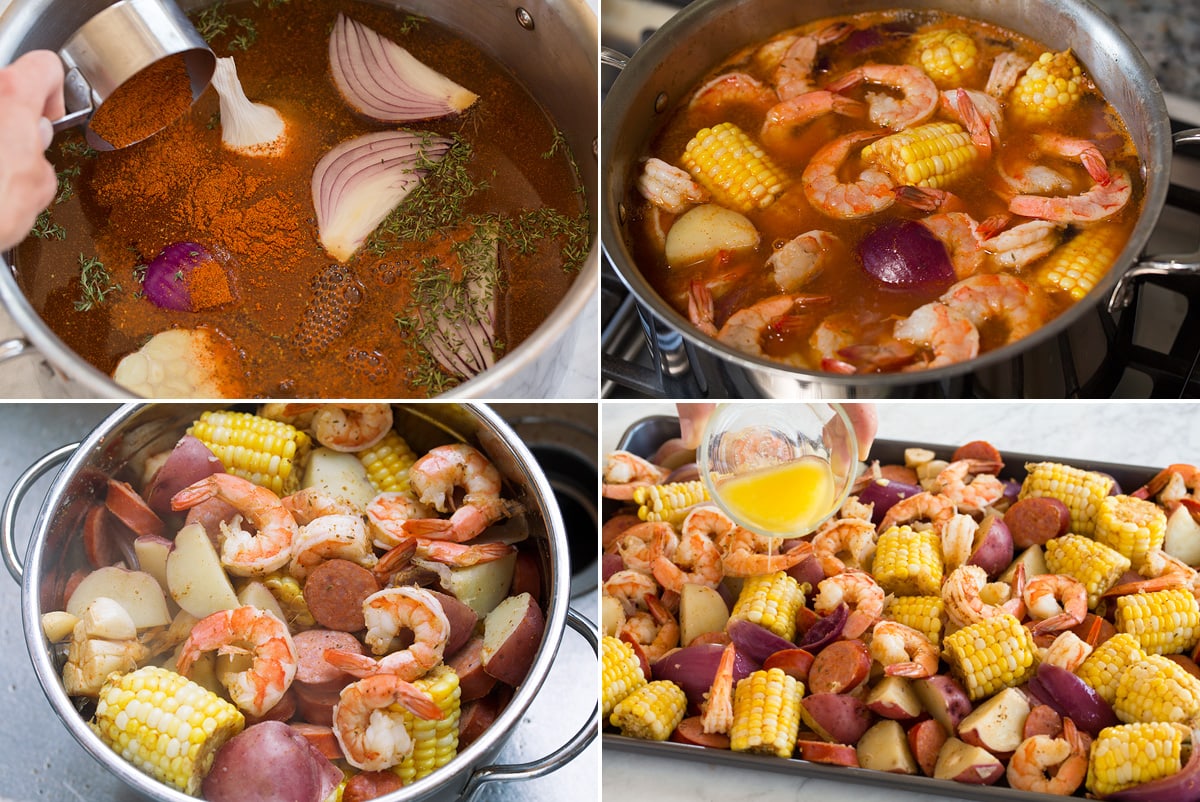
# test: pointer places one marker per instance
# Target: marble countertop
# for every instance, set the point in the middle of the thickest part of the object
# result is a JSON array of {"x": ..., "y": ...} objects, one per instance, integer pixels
[{"x": 1149, "y": 434}]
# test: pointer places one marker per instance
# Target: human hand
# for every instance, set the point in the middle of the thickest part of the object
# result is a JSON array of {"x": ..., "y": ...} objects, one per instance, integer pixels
[{"x": 31, "y": 95}]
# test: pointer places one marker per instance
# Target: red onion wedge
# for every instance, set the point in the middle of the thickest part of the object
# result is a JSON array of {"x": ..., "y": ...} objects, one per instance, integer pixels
[
  {"x": 460, "y": 329},
  {"x": 382, "y": 80},
  {"x": 361, "y": 180},
  {"x": 187, "y": 277}
]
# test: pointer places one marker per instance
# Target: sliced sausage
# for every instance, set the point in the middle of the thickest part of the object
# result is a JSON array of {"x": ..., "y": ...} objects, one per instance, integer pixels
[
  {"x": 477, "y": 716},
  {"x": 315, "y": 709},
  {"x": 793, "y": 662},
  {"x": 467, "y": 662},
  {"x": 840, "y": 667},
  {"x": 980, "y": 451},
  {"x": 313, "y": 669},
  {"x": 102, "y": 536},
  {"x": 1033, "y": 521},
  {"x": 335, "y": 591},
  {"x": 124, "y": 502},
  {"x": 282, "y": 710},
  {"x": 320, "y": 737},
  {"x": 1042, "y": 720},
  {"x": 371, "y": 785},
  {"x": 691, "y": 731}
]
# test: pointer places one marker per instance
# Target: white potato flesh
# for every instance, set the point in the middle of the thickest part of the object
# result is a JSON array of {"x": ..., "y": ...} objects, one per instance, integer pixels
[
  {"x": 136, "y": 591},
  {"x": 195, "y": 578},
  {"x": 340, "y": 475},
  {"x": 702, "y": 232}
]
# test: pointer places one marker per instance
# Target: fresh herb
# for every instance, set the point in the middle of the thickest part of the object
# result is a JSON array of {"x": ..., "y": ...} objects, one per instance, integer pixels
[
  {"x": 139, "y": 273},
  {"x": 558, "y": 143},
  {"x": 246, "y": 38},
  {"x": 214, "y": 120},
  {"x": 523, "y": 234},
  {"x": 95, "y": 281},
  {"x": 213, "y": 21},
  {"x": 410, "y": 23},
  {"x": 77, "y": 147},
  {"x": 66, "y": 189},
  {"x": 44, "y": 229},
  {"x": 271, "y": 4}
]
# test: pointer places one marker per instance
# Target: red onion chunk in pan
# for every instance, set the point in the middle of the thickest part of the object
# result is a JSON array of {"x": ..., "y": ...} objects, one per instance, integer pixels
[
  {"x": 166, "y": 280},
  {"x": 462, "y": 337},
  {"x": 382, "y": 80},
  {"x": 905, "y": 254}
]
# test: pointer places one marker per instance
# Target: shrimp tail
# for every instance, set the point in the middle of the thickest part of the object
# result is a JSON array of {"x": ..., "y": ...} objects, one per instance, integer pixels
[{"x": 358, "y": 665}]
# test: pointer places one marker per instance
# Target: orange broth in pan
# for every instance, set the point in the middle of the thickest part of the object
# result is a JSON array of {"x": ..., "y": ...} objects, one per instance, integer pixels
[
  {"x": 854, "y": 303},
  {"x": 300, "y": 327}
]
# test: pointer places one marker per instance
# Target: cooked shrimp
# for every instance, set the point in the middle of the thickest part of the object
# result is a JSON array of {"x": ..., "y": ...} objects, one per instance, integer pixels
[
  {"x": 242, "y": 553},
  {"x": 656, "y": 631},
  {"x": 625, "y": 472},
  {"x": 786, "y": 120},
  {"x": 997, "y": 298},
  {"x": 1162, "y": 572},
  {"x": 852, "y": 537},
  {"x": 462, "y": 555},
  {"x": 637, "y": 545},
  {"x": 669, "y": 188},
  {"x": 718, "y": 704},
  {"x": 859, "y": 591},
  {"x": 696, "y": 561},
  {"x": 348, "y": 427},
  {"x": 311, "y": 503},
  {"x": 794, "y": 74},
  {"x": 700, "y": 312},
  {"x": 1048, "y": 765},
  {"x": 903, "y": 651},
  {"x": 1097, "y": 203},
  {"x": 854, "y": 507},
  {"x": 435, "y": 476},
  {"x": 1006, "y": 71},
  {"x": 631, "y": 588},
  {"x": 919, "y": 93},
  {"x": 1058, "y": 600},
  {"x": 921, "y": 507},
  {"x": 372, "y": 736},
  {"x": 1172, "y": 484},
  {"x": 745, "y": 328},
  {"x": 1023, "y": 244},
  {"x": 869, "y": 194},
  {"x": 964, "y": 604},
  {"x": 246, "y": 630},
  {"x": 802, "y": 259},
  {"x": 732, "y": 89},
  {"x": 1067, "y": 651},
  {"x": 843, "y": 343},
  {"x": 388, "y": 512},
  {"x": 387, "y": 613},
  {"x": 947, "y": 333},
  {"x": 746, "y": 553},
  {"x": 929, "y": 199},
  {"x": 961, "y": 236},
  {"x": 982, "y": 491},
  {"x": 331, "y": 536},
  {"x": 958, "y": 538},
  {"x": 978, "y": 112}
]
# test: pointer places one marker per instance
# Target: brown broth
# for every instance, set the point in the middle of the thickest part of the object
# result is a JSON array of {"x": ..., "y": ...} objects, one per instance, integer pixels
[{"x": 129, "y": 204}]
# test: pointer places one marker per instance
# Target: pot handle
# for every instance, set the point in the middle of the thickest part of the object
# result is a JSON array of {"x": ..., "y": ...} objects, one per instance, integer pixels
[
  {"x": 613, "y": 58},
  {"x": 1165, "y": 265},
  {"x": 8, "y": 518},
  {"x": 564, "y": 754},
  {"x": 11, "y": 349}
]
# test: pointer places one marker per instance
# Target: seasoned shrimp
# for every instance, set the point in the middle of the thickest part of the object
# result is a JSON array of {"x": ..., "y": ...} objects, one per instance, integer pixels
[
  {"x": 311, "y": 503},
  {"x": 961, "y": 594},
  {"x": 435, "y": 476},
  {"x": 669, "y": 188},
  {"x": 631, "y": 588},
  {"x": 638, "y": 547},
  {"x": 389, "y": 512},
  {"x": 242, "y": 553},
  {"x": 745, "y": 328},
  {"x": 869, "y": 194},
  {"x": 372, "y": 736},
  {"x": 348, "y": 427},
  {"x": 387, "y": 613},
  {"x": 982, "y": 491},
  {"x": 852, "y": 537},
  {"x": 921, "y": 507},
  {"x": 961, "y": 236},
  {"x": 802, "y": 259},
  {"x": 746, "y": 553},
  {"x": 903, "y": 651},
  {"x": 246, "y": 630},
  {"x": 718, "y": 704},
  {"x": 656, "y": 631},
  {"x": 859, "y": 591},
  {"x": 697, "y": 560},
  {"x": 919, "y": 93},
  {"x": 1068, "y": 651},
  {"x": 929, "y": 199},
  {"x": 958, "y": 538},
  {"x": 1006, "y": 71},
  {"x": 732, "y": 89},
  {"x": 997, "y": 298},
  {"x": 947, "y": 333},
  {"x": 1097, "y": 203},
  {"x": 329, "y": 537},
  {"x": 794, "y": 75},
  {"x": 842, "y": 343},
  {"x": 786, "y": 120},
  {"x": 1048, "y": 765},
  {"x": 979, "y": 113},
  {"x": 625, "y": 472},
  {"x": 1023, "y": 244},
  {"x": 1058, "y": 600}
]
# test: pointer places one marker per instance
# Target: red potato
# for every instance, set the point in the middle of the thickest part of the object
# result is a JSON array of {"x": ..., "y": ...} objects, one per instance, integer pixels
[
  {"x": 701, "y": 611},
  {"x": 189, "y": 462},
  {"x": 824, "y": 752},
  {"x": 944, "y": 699},
  {"x": 1042, "y": 720},
  {"x": 369, "y": 785},
  {"x": 320, "y": 737},
  {"x": 884, "y": 747},
  {"x": 894, "y": 698},
  {"x": 610, "y": 564},
  {"x": 473, "y": 681},
  {"x": 210, "y": 513},
  {"x": 335, "y": 591},
  {"x": 129, "y": 508},
  {"x": 793, "y": 662},
  {"x": 964, "y": 763},
  {"x": 993, "y": 547},
  {"x": 926, "y": 739},
  {"x": 462, "y": 621},
  {"x": 997, "y": 724},
  {"x": 477, "y": 715},
  {"x": 615, "y": 525},
  {"x": 527, "y": 576},
  {"x": 152, "y": 552},
  {"x": 1033, "y": 521},
  {"x": 835, "y": 717},
  {"x": 512, "y": 633},
  {"x": 840, "y": 667},
  {"x": 269, "y": 762}
]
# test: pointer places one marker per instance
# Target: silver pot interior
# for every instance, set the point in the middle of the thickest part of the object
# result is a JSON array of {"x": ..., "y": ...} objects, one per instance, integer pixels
[
  {"x": 524, "y": 36},
  {"x": 119, "y": 447},
  {"x": 662, "y": 72}
]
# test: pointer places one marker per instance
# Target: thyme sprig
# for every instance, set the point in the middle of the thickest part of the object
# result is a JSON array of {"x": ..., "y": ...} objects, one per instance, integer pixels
[
  {"x": 215, "y": 21},
  {"x": 410, "y": 23},
  {"x": 44, "y": 229},
  {"x": 95, "y": 281}
]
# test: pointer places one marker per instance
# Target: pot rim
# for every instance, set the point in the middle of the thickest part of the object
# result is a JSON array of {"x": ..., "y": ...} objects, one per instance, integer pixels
[
  {"x": 676, "y": 34},
  {"x": 456, "y": 773}
]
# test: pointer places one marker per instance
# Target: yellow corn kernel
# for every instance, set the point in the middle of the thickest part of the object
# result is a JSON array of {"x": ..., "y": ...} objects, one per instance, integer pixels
[
  {"x": 1132, "y": 754},
  {"x": 930, "y": 155},
  {"x": 771, "y": 601},
  {"x": 1077, "y": 265},
  {"x": 651, "y": 712},
  {"x": 946, "y": 56},
  {"x": 387, "y": 463},
  {"x": 766, "y": 713},
  {"x": 1163, "y": 621},
  {"x": 1092, "y": 564},
  {"x": 728, "y": 163},
  {"x": 1103, "y": 668},
  {"x": 621, "y": 673},
  {"x": 669, "y": 502},
  {"x": 435, "y": 741},
  {"x": 266, "y": 452},
  {"x": 1082, "y": 491},
  {"x": 907, "y": 562},
  {"x": 1156, "y": 689},
  {"x": 1051, "y": 86},
  {"x": 925, "y": 614},
  {"x": 990, "y": 655}
]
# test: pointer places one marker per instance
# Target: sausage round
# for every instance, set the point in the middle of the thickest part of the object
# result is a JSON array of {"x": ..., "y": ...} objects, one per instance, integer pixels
[
  {"x": 691, "y": 731},
  {"x": 371, "y": 785},
  {"x": 1033, "y": 521},
  {"x": 321, "y": 737},
  {"x": 313, "y": 669},
  {"x": 980, "y": 450},
  {"x": 124, "y": 502},
  {"x": 335, "y": 591},
  {"x": 101, "y": 537},
  {"x": 840, "y": 667}
]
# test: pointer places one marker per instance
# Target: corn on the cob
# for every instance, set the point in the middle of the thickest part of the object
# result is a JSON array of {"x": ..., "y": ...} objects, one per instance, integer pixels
[
  {"x": 728, "y": 163},
  {"x": 925, "y": 614},
  {"x": 387, "y": 463},
  {"x": 1082, "y": 491},
  {"x": 1077, "y": 266},
  {"x": 165, "y": 724},
  {"x": 1051, "y": 86},
  {"x": 1131, "y": 526},
  {"x": 435, "y": 742},
  {"x": 1103, "y": 668},
  {"x": 766, "y": 713},
  {"x": 287, "y": 591},
  {"x": 1132, "y": 754},
  {"x": 771, "y": 601},
  {"x": 930, "y": 155},
  {"x": 991, "y": 654},
  {"x": 651, "y": 712},
  {"x": 946, "y": 56},
  {"x": 670, "y": 502},
  {"x": 907, "y": 562},
  {"x": 1092, "y": 564},
  {"x": 621, "y": 673},
  {"x": 1163, "y": 621},
  {"x": 1156, "y": 689},
  {"x": 267, "y": 452}
]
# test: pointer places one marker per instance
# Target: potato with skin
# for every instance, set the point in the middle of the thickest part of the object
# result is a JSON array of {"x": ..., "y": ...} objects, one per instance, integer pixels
[
  {"x": 944, "y": 699},
  {"x": 884, "y": 747},
  {"x": 136, "y": 591},
  {"x": 197, "y": 581},
  {"x": 894, "y": 698},
  {"x": 512, "y": 633},
  {"x": 997, "y": 724},
  {"x": 701, "y": 610},
  {"x": 705, "y": 230},
  {"x": 484, "y": 585},
  {"x": 964, "y": 763}
]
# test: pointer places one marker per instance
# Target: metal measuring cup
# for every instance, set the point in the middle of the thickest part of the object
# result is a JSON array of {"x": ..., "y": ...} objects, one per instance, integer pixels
[{"x": 116, "y": 44}]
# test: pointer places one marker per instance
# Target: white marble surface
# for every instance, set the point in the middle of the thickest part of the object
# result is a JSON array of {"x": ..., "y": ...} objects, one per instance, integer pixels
[{"x": 1149, "y": 434}]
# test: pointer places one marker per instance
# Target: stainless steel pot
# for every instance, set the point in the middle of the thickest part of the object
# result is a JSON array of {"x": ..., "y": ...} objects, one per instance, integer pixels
[
  {"x": 654, "y": 81},
  {"x": 524, "y": 35},
  {"x": 119, "y": 446}
]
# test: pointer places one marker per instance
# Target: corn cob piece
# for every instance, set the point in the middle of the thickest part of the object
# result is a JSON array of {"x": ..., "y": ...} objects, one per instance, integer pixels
[
  {"x": 1103, "y": 668},
  {"x": 435, "y": 742},
  {"x": 621, "y": 673},
  {"x": 287, "y": 591},
  {"x": 165, "y": 724},
  {"x": 946, "y": 56},
  {"x": 1092, "y": 564},
  {"x": 990, "y": 655},
  {"x": 1131, "y": 526},
  {"x": 930, "y": 155},
  {"x": 1157, "y": 689},
  {"x": 670, "y": 502},
  {"x": 766, "y": 713},
  {"x": 907, "y": 562},
  {"x": 728, "y": 163},
  {"x": 925, "y": 614},
  {"x": 1082, "y": 491},
  {"x": 266, "y": 452},
  {"x": 1078, "y": 265},
  {"x": 387, "y": 463},
  {"x": 1051, "y": 86},
  {"x": 1163, "y": 621},
  {"x": 1132, "y": 754},
  {"x": 651, "y": 712},
  {"x": 771, "y": 601}
]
